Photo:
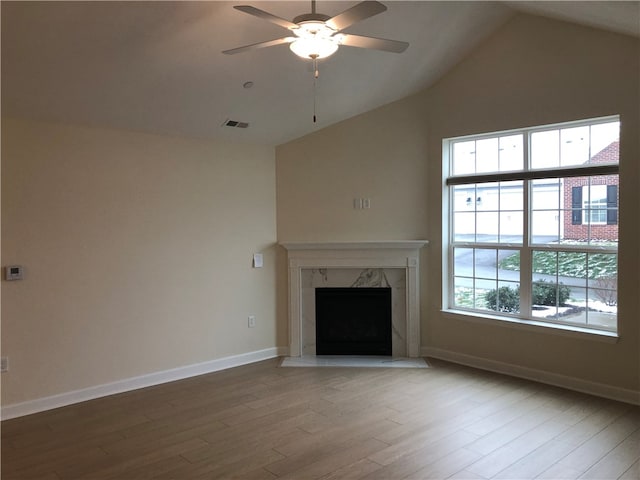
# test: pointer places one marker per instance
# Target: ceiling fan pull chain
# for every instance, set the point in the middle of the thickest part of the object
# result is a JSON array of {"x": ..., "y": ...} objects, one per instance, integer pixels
[{"x": 315, "y": 77}]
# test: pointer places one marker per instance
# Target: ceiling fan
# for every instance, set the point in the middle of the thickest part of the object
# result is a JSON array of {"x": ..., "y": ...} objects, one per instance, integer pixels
[{"x": 318, "y": 36}]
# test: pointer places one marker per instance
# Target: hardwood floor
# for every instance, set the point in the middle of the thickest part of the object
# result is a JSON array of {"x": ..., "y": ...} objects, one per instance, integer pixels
[{"x": 263, "y": 422}]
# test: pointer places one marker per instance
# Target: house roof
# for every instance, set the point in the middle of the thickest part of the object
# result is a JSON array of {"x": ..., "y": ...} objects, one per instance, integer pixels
[
  {"x": 157, "y": 66},
  {"x": 609, "y": 154}
]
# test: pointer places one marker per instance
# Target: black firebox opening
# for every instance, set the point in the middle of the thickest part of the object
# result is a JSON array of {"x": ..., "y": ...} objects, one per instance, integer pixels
[{"x": 353, "y": 321}]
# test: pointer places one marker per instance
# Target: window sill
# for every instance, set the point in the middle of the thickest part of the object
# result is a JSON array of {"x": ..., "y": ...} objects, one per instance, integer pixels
[{"x": 533, "y": 326}]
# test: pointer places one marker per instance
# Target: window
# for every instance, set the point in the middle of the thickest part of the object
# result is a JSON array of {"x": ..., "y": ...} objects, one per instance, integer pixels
[{"x": 532, "y": 223}]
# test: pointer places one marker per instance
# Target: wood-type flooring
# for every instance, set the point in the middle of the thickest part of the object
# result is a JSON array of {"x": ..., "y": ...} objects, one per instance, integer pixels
[{"x": 260, "y": 421}]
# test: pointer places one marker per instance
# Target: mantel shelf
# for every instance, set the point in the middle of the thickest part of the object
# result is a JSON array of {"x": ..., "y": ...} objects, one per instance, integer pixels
[{"x": 373, "y": 245}]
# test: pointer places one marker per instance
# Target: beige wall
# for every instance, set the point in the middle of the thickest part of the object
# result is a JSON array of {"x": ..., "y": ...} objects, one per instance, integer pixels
[
  {"x": 532, "y": 71},
  {"x": 137, "y": 252},
  {"x": 378, "y": 155}
]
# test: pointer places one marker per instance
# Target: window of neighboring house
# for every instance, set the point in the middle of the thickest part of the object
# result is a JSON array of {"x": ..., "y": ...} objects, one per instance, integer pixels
[
  {"x": 595, "y": 202},
  {"x": 532, "y": 223}
]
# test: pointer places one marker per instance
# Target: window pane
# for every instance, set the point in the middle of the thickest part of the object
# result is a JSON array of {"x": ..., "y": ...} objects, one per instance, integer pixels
[
  {"x": 511, "y": 224},
  {"x": 603, "y": 265},
  {"x": 574, "y": 265},
  {"x": 486, "y": 263},
  {"x": 545, "y": 149},
  {"x": 471, "y": 264},
  {"x": 546, "y": 201},
  {"x": 511, "y": 211},
  {"x": 464, "y": 227},
  {"x": 463, "y": 198},
  {"x": 482, "y": 290},
  {"x": 487, "y": 197},
  {"x": 505, "y": 298},
  {"x": 511, "y": 153},
  {"x": 487, "y": 156},
  {"x": 487, "y": 228},
  {"x": 545, "y": 194},
  {"x": 594, "y": 204},
  {"x": 464, "y": 158},
  {"x": 463, "y": 293},
  {"x": 574, "y": 146},
  {"x": 605, "y": 144},
  {"x": 544, "y": 266},
  {"x": 602, "y": 298},
  {"x": 509, "y": 265},
  {"x": 545, "y": 227},
  {"x": 511, "y": 195},
  {"x": 463, "y": 262},
  {"x": 575, "y": 311}
]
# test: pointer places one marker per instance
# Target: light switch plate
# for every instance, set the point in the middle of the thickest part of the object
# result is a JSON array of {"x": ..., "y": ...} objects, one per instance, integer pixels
[
  {"x": 13, "y": 272},
  {"x": 257, "y": 260}
]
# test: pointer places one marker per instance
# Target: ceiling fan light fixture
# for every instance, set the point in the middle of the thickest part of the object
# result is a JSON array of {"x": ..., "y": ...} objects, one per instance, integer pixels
[
  {"x": 310, "y": 48},
  {"x": 315, "y": 40}
]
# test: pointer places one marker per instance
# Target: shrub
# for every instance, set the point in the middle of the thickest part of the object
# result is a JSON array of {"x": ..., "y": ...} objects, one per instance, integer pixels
[
  {"x": 544, "y": 293},
  {"x": 504, "y": 299},
  {"x": 607, "y": 290}
]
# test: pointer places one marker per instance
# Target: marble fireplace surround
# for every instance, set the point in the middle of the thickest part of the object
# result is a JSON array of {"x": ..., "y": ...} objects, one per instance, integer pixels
[{"x": 382, "y": 258}]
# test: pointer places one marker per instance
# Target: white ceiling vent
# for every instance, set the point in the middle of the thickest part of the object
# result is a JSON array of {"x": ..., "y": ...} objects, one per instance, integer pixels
[{"x": 235, "y": 123}]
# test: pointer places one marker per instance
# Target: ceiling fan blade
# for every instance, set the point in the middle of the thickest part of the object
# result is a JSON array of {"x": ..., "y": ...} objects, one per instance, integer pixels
[
  {"x": 356, "y": 13},
  {"x": 256, "y": 12},
  {"x": 394, "y": 46},
  {"x": 255, "y": 46}
]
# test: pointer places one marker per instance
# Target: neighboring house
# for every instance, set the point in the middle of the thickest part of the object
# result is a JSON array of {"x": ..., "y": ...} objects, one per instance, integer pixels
[
  {"x": 581, "y": 207},
  {"x": 594, "y": 207}
]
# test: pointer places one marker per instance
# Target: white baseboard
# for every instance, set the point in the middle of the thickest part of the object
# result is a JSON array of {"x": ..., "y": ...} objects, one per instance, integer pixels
[
  {"x": 571, "y": 383},
  {"x": 128, "y": 384}
]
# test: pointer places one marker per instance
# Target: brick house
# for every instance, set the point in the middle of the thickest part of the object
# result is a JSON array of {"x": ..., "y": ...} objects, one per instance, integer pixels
[{"x": 594, "y": 207}]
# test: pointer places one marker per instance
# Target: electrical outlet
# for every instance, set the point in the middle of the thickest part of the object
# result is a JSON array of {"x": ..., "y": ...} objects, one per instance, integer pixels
[
  {"x": 4, "y": 364},
  {"x": 251, "y": 321}
]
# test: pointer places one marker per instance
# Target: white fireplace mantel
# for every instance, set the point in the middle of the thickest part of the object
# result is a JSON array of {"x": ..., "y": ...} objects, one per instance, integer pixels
[
  {"x": 391, "y": 244},
  {"x": 403, "y": 254}
]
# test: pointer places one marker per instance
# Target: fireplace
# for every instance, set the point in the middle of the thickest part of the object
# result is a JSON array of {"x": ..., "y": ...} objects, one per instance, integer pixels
[
  {"x": 353, "y": 321},
  {"x": 392, "y": 264}
]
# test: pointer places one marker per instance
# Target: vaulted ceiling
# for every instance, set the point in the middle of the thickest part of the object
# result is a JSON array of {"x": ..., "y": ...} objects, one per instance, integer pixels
[{"x": 158, "y": 67}]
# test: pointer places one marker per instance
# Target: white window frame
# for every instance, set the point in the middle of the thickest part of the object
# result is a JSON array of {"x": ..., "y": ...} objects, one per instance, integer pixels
[{"x": 527, "y": 174}]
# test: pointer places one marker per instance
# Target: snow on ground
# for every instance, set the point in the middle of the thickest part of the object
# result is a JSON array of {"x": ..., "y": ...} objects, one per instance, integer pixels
[
  {"x": 597, "y": 315},
  {"x": 542, "y": 311}
]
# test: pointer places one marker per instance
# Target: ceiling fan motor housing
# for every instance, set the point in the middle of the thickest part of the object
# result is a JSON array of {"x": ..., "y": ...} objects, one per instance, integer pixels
[{"x": 311, "y": 17}]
